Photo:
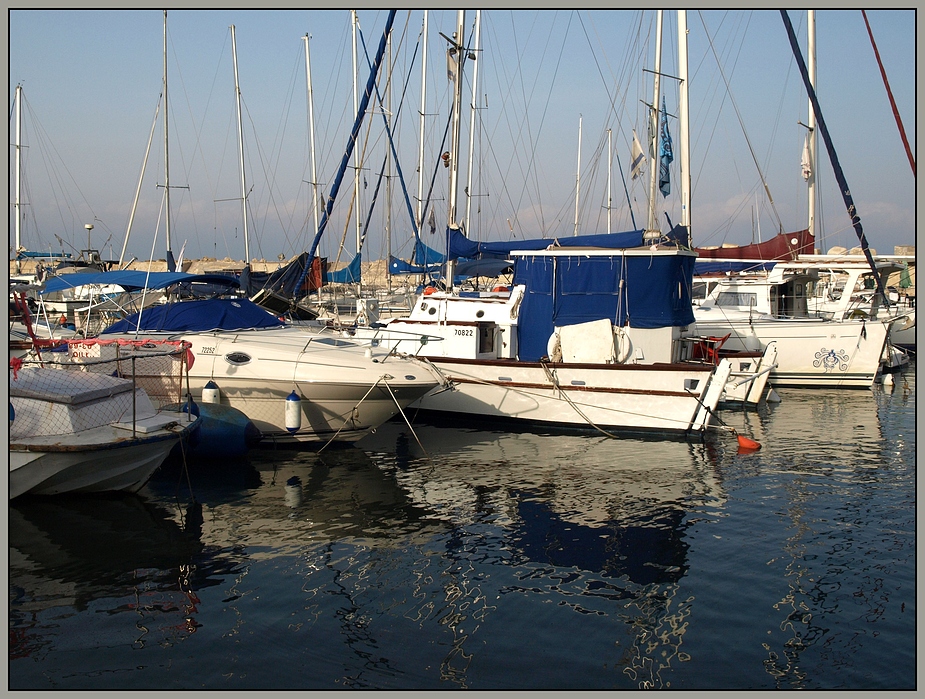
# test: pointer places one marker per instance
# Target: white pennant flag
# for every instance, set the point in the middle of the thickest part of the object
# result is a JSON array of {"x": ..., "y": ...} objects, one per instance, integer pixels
[
  {"x": 639, "y": 158},
  {"x": 805, "y": 163}
]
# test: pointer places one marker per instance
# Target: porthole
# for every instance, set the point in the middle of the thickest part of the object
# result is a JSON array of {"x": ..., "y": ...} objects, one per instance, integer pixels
[{"x": 237, "y": 358}]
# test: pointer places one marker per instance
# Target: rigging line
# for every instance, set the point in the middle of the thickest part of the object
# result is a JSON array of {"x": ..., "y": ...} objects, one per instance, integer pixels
[
  {"x": 889, "y": 92},
  {"x": 741, "y": 123}
]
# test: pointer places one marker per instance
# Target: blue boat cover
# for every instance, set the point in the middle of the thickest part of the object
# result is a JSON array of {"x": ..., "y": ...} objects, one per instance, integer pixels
[
  {"x": 198, "y": 316},
  {"x": 349, "y": 274},
  {"x": 131, "y": 280},
  {"x": 642, "y": 291},
  {"x": 461, "y": 246}
]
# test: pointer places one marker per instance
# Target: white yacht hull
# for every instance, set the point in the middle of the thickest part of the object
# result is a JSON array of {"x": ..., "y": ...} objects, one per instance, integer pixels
[
  {"x": 810, "y": 352},
  {"x": 663, "y": 398},
  {"x": 342, "y": 389}
]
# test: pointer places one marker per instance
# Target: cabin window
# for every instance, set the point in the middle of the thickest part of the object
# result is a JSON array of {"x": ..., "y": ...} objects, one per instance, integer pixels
[{"x": 736, "y": 298}]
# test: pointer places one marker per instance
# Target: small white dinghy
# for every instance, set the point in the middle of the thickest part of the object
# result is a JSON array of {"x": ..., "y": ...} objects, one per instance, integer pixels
[{"x": 78, "y": 431}]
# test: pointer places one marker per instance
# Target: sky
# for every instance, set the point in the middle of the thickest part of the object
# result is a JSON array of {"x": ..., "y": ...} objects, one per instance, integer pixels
[{"x": 558, "y": 95}]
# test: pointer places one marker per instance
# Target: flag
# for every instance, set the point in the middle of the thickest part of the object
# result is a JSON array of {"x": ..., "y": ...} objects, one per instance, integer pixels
[
  {"x": 432, "y": 222},
  {"x": 451, "y": 64},
  {"x": 664, "y": 180},
  {"x": 806, "y": 164},
  {"x": 639, "y": 158}
]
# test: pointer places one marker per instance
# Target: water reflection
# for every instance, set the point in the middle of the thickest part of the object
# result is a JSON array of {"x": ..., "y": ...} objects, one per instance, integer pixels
[
  {"x": 439, "y": 558},
  {"x": 835, "y": 466},
  {"x": 592, "y": 524},
  {"x": 115, "y": 554}
]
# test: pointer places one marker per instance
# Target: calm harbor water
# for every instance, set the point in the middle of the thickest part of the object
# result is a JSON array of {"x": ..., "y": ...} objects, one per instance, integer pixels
[{"x": 449, "y": 558}]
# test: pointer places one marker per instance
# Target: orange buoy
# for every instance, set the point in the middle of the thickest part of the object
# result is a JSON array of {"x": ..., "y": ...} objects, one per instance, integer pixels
[
  {"x": 429, "y": 290},
  {"x": 746, "y": 444}
]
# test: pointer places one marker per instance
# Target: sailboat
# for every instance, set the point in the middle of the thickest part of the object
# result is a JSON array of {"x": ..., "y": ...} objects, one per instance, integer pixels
[{"x": 590, "y": 335}]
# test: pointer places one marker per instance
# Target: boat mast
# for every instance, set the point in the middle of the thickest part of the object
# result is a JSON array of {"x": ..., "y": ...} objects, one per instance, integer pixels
[
  {"x": 577, "y": 178},
  {"x": 684, "y": 126},
  {"x": 420, "y": 214},
  {"x": 166, "y": 157},
  {"x": 609, "y": 175},
  {"x": 237, "y": 92},
  {"x": 17, "y": 207},
  {"x": 474, "y": 108},
  {"x": 457, "y": 52},
  {"x": 652, "y": 232},
  {"x": 356, "y": 153},
  {"x": 311, "y": 128}
]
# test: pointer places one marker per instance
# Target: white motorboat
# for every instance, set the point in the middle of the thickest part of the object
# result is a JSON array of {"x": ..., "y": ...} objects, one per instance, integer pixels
[
  {"x": 296, "y": 384},
  {"x": 74, "y": 431},
  {"x": 760, "y": 307}
]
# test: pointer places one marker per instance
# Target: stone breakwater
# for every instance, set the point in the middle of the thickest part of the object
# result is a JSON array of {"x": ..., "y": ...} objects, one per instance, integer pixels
[{"x": 374, "y": 273}]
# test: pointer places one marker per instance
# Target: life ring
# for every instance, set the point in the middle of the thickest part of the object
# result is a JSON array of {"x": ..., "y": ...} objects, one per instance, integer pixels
[
  {"x": 554, "y": 347},
  {"x": 500, "y": 289},
  {"x": 429, "y": 290}
]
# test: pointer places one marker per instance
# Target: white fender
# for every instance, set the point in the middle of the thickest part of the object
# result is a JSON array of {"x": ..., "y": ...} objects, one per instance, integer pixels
[
  {"x": 293, "y": 412},
  {"x": 211, "y": 393}
]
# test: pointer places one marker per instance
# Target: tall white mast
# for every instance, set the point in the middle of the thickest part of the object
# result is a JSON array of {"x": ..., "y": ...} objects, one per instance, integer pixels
[
  {"x": 651, "y": 230},
  {"x": 18, "y": 204},
  {"x": 420, "y": 213},
  {"x": 684, "y": 125},
  {"x": 237, "y": 92},
  {"x": 457, "y": 52},
  {"x": 311, "y": 128},
  {"x": 609, "y": 174},
  {"x": 166, "y": 151},
  {"x": 472, "y": 113},
  {"x": 356, "y": 151},
  {"x": 811, "y": 120},
  {"x": 578, "y": 178}
]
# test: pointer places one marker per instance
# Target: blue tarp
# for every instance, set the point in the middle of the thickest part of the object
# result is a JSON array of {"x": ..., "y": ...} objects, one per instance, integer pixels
[
  {"x": 425, "y": 256},
  {"x": 198, "y": 316},
  {"x": 134, "y": 279},
  {"x": 567, "y": 290},
  {"x": 349, "y": 274},
  {"x": 461, "y": 246}
]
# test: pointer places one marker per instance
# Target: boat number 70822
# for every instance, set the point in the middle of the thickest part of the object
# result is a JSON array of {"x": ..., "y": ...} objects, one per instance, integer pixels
[{"x": 465, "y": 332}]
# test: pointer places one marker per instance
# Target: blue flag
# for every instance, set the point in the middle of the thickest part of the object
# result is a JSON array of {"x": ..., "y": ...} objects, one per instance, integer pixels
[{"x": 666, "y": 156}]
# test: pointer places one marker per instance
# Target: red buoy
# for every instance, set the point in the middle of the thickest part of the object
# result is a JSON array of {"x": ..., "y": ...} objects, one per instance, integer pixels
[{"x": 746, "y": 444}]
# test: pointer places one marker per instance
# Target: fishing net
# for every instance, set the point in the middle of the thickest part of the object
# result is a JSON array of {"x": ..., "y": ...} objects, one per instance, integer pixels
[{"x": 159, "y": 367}]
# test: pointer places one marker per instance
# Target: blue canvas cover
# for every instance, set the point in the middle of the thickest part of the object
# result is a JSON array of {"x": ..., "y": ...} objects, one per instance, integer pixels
[
  {"x": 135, "y": 279},
  {"x": 198, "y": 316},
  {"x": 462, "y": 247},
  {"x": 349, "y": 274},
  {"x": 645, "y": 291}
]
